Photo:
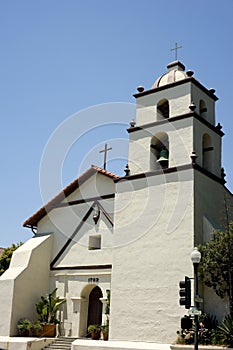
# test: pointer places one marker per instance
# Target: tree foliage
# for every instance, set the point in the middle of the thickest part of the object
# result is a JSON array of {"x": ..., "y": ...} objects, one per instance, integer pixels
[
  {"x": 5, "y": 258},
  {"x": 216, "y": 267}
]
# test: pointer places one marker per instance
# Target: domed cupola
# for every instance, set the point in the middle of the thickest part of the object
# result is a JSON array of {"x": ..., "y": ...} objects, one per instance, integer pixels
[{"x": 175, "y": 73}]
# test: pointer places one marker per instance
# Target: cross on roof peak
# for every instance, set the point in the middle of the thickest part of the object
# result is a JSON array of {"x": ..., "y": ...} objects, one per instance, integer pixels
[
  {"x": 105, "y": 150},
  {"x": 176, "y": 48}
]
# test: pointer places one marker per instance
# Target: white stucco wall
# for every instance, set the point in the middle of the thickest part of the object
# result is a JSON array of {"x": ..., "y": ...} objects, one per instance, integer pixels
[
  {"x": 209, "y": 206},
  {"x": 183, "y": 139},
  {"x": 65, "y": 221},
  {"x": 210, "y": 214},
  {"x": 196, "y": 96},
  {"x": 180, "y": 135},
  {"x": 75, "y": 283},
  {"x": 154, "y": 225},
  {"x": 75, "y": 286},
  {"x": 24, "y": 282},
  {"x": 199, "y": 130},
  {"x": 179, "y": 98}
]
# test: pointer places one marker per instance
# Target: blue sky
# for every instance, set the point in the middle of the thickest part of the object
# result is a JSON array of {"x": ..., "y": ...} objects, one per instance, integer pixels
[{"x": 59, "y": 57}]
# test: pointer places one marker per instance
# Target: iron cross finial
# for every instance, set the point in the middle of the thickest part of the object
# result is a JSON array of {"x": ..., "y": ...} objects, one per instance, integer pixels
[
  {"x": 105, "y": 150},
  {"x": 176, "y": 48}
]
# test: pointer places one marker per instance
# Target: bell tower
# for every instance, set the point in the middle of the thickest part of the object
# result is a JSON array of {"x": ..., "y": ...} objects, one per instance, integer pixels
[
  {"x": 175, "y": 118},
  {"x": 172, "y": 198}
]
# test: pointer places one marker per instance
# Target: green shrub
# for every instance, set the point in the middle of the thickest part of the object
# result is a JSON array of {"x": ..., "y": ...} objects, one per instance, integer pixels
[
  {"x": 207, "y": 333},
  {"x": 24, "y": 326},
  {"x": 225, "y": 331},
  {"x": 36, "y": 328},
  {"x": 207, "y": 329},
  {"x": 93, "y": 328}
]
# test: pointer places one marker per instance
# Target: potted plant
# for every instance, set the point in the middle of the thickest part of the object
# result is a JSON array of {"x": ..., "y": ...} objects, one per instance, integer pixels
[
  {"x": 24, "y": 326},
  {"x": 94, "y": 330},
  {"x": 47, "y": 309},
  {"x": 36, "y": 329},
  {"x": 105, "y": 326},
  {"x": 104, "y": 330}
]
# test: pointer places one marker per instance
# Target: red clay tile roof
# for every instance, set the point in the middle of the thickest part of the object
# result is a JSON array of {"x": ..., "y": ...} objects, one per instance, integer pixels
[
  {"x": 35, "y": 218},
  {"x": 104, "y": 172}
]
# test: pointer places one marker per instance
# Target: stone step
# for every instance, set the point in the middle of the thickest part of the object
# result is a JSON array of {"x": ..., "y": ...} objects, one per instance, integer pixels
[
  {"x": 55, "y": 345},
  {"x": 61, "y": 343}
]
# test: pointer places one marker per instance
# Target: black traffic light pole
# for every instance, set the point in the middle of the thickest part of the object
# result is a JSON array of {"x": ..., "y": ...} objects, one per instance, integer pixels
[
  {"x": 185, "y": 293},
  {"x": 196, "y": 322},
  {"x": 196, "y": 258}
]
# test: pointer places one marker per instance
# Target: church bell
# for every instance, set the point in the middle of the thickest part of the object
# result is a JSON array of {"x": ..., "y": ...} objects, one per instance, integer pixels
[{"x": 163, "y": 158}]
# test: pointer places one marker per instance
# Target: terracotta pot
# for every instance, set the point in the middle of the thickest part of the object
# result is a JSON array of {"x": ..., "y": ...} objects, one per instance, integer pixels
[
  {"x": 24, "y": 333},
  {"x": 37, "y": 333},
  {"x": 95, "y": 335},
  {"x": 49, "y": 330},
  {"x": 105, "y": 335}
]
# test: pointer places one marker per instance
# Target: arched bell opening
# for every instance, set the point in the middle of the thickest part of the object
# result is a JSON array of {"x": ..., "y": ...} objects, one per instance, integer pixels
[
  {"x": 159, "y": 151},
  {"x": 207, "y": 152},
  {"x": 202, "y": 108},
  {"x": 163, "y": 109}
]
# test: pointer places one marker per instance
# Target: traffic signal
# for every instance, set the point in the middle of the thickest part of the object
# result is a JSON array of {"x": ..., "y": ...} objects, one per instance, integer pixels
[
  {"x": 186, "y": 322},
  {"x": 185, "y": 292}
]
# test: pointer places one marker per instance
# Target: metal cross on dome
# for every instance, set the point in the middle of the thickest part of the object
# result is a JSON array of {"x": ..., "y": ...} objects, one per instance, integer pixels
[
  {"x": 105, "y": 150},
  {"x": 176, "y": 48}
]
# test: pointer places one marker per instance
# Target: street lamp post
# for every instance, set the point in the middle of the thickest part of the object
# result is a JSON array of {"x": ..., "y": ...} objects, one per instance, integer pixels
[{"x": 196, "y": 258}]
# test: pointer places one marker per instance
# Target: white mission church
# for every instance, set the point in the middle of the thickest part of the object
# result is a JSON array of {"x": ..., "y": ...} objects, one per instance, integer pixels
[{"x": 132, "y": 235}]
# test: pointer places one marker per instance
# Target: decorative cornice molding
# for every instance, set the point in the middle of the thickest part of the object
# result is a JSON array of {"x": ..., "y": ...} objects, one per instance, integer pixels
[
  {"x": 174, "y": 119},
  {"x": 82, "y": 201},
  {"x": 154, "y": 173},
  {"x": 177, "y": 83},
  {"x": 172, "y": 170},
  {"x": 208, "y": 173},
  {"x": 80, "y": 267}
]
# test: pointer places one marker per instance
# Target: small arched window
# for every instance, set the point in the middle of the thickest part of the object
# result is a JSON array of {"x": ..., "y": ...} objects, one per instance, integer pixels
[
  {"x": 202, "y": 108},
  {"x": 207, "y": 152},
  {"x": 159, "y": 155},
  {"x": 162, "y": 109}
]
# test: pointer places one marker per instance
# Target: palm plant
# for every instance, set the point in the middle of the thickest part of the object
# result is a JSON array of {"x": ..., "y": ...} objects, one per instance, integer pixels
[
  {"x": 48, "y": 307},
  {"x": 225, "y": 331}
]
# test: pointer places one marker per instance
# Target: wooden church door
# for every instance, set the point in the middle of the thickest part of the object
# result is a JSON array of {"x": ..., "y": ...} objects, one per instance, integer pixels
[{"x": 95, "y": 307}]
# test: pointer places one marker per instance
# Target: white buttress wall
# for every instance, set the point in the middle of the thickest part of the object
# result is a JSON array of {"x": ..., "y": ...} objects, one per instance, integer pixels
[{"x": 24, "y": 282}]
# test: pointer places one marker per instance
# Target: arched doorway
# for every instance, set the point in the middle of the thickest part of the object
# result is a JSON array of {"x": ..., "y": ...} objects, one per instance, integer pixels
[{"x": 95, "y": 307}]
